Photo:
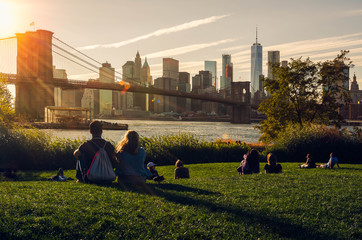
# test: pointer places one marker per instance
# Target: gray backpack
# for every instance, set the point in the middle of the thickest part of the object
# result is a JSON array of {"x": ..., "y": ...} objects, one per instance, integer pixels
[{"x": 101, "y": 169}]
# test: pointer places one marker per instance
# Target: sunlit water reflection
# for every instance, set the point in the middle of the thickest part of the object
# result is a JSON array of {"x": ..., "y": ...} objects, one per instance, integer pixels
[{"x": 209, "y": 131}]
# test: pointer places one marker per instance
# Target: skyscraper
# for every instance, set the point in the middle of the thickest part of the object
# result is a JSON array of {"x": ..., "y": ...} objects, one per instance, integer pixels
[
  {"x": 146, "y": 74},
  {"x": 273, "y": 59},
  {"x": 227, "y": 74},
  {"x": 170, "y": 68},
  {"x": 211, "y": 67},
  {"x": 226, "y": 59},
  {"x": 256, "y": 65},
  {"x": 137, "y": 67},
  {"x": 106, "y": 75}
]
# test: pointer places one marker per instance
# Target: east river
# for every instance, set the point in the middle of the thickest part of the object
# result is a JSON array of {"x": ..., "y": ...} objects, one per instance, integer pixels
[{"x": 209, "y": 131}]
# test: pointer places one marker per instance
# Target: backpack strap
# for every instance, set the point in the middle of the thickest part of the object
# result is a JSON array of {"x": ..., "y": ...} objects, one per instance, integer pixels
[{"x": 99, "y": 147}]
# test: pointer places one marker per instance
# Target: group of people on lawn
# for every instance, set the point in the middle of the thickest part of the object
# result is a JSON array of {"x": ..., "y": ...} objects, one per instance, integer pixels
[
  {"x": 128, "y": 159},
  {"x": 250, "y": 163}
]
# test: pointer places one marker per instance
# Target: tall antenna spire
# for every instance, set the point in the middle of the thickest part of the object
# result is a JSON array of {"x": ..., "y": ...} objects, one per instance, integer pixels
[{"x": 256, "y": 34}]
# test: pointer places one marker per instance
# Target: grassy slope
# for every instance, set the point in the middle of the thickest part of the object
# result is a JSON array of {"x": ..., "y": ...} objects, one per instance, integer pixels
[{"x": 215, "y": 203}]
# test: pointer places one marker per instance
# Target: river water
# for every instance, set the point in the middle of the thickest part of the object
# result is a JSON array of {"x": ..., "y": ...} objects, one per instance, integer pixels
[{"x": 209, "y": 131}]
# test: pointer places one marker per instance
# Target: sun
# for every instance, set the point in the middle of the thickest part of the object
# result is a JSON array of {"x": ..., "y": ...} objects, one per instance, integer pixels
[{"x": 6, "y": 18}]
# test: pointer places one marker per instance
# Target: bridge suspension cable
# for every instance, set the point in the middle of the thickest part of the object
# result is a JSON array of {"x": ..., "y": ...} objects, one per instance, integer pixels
[
  {"x": 7, "y": 38},
  {"x": 8, "y": 53},
  {"x": 77, "y": 50},
  {"x": 75, "y": 62},
  {"x": 87, "y": 62}
]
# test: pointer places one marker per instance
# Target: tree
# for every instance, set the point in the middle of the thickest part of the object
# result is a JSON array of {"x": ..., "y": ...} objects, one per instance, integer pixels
[
  {"x": 304, "y": 92},
  {"x": 7, "y": 113}
]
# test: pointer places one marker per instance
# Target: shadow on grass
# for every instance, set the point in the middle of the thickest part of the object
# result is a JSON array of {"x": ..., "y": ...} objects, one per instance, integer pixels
[
  {"x": 278, "y": 225},
  {"x": 26, "y": 176},
  {"x": 181, "y": 188},
  {"x": 350, "y": 168}
]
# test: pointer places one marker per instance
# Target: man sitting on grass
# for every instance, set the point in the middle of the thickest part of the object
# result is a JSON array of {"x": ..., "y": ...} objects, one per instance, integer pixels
[
  {"x": 332, "y": 161},
  {"x": 86, "y": 152}
]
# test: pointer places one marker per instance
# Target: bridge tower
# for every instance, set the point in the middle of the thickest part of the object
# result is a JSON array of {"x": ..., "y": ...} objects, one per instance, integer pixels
[
  {"x": 34, "y": 89},
  {"x": 240, "y": 91}
]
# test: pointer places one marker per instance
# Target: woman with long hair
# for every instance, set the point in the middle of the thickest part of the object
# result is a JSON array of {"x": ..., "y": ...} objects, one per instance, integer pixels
[
  {"x": 131, "y": 157},
  {"x": 251, "y": 163},
  {"x": 272, "y": 166}
]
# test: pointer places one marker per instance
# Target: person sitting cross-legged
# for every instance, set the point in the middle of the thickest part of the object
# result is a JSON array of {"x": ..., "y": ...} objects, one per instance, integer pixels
[
  {"x": 131, "y": 168},
  {"x": 310, "y": 163},
  {"x": 251, "y": 163},
  {"x": 181, "y": 171},
  {"x": 87, "y": 151},
  {"x": 272, "y": 166}
]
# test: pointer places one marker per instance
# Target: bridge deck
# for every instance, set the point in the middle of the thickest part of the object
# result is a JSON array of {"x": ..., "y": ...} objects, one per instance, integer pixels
[{"x": 78, "y": 84}]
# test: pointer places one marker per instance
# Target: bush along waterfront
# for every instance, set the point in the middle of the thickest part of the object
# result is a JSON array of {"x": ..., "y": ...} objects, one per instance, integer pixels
[
  {"x": 293, "y": 144},
  {"x": 165, "y": 150},
  {"x": 31, "y": 149}
]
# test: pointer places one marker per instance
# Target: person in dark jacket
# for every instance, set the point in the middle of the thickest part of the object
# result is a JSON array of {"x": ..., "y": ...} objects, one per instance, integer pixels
[
  {"x": 152, "y": 168},
  {"x": 251, "y": 163},
  {"x": 181, "y": 171},
  {"x": 310, "y": 163},
  {"x": 272, "y": 166},
  {"x": 86, "y": 152}
]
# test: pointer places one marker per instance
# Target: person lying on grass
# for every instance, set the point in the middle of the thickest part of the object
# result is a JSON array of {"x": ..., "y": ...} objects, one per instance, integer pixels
[
  {"x": 333, "y": 160},
  {"x": 60, "y": 176},
  {"x": 272, "y": 166},
  {"x": 181, "y": 171},
  {"x": 131, "y": 168},
  {"x": 310, "y": 163},
  {"x": 152, "y": 168}
]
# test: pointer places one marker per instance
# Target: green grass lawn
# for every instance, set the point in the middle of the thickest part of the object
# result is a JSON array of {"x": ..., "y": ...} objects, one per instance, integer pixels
[{"x": 215, "y": 203}]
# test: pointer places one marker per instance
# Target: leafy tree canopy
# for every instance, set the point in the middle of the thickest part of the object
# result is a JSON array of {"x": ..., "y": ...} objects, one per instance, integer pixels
[
  {"x": 7, "y": 113},
  {"x": 304, "y": 92}
]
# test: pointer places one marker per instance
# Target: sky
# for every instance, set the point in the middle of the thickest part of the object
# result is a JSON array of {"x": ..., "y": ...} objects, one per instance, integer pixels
[{"x": 191, "y": 31}]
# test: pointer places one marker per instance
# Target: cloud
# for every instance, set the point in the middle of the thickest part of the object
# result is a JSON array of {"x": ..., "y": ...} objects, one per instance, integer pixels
[
  {"x": 230, "y": 49},
  {"x": 357, "y": 12},
  {"x": 186, "y": 49},
  {"x": 160, "y": 32},
  {"x": 317, "y": 49}
]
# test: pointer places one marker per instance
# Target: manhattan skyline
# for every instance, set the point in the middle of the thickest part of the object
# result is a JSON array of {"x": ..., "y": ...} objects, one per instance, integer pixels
[{"x": 192, "y": 32}]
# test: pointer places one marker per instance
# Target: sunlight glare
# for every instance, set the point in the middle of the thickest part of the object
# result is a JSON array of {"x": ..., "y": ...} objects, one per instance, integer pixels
[{"x": 6, "y": 18}]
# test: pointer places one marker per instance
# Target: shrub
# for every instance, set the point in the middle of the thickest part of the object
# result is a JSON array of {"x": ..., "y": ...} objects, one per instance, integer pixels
[
  {"x": 295, "y": 143},
  {"x": 165, "y": 150},
  {"x": 31, "y": 149}
]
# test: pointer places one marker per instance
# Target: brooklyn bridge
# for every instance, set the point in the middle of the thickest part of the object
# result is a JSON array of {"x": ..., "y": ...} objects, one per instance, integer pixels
[{"x": 34, "y": 81}]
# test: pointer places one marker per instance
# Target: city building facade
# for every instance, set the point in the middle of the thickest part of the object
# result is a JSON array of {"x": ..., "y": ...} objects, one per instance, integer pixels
[
  {"x": 170, "y": 68},
  {"x": 106, "y": 75},
  {"x": 183, "y": 85},
  {"x": 165, "y": 103},
  {"x": 256, "y": 66},
  {"x": 355, "y": 93},
  {"x": 227, "y": 75},
  {"x": 273, "y": 60},
  {"x": 211, "y": 66}
]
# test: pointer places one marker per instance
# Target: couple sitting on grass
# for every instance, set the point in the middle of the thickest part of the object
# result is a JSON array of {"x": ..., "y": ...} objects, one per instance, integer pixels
[
  {"x": 250, "y": 164},
  {"x": 128, "y": 158},
  {"x": 310, "y": 163}
]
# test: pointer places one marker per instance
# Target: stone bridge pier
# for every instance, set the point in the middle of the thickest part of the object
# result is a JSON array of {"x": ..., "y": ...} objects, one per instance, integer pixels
[
  {"x": 240, "y": 91},
  {"x": 33, "y": 84}
]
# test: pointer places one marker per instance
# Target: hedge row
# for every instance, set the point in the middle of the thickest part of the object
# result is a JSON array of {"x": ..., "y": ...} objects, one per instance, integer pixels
[
  {"x": 295, "y": 143},
  {"x": 31, "y": 149},
  {"x": 165, "y": 150}
]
